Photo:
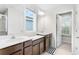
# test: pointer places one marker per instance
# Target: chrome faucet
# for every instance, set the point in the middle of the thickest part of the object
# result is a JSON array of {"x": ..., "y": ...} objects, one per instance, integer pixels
[{"x": 13, "y": 37}]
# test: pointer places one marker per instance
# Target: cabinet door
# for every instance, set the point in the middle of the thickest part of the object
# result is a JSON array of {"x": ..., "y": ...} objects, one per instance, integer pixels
[
  {"x": 41, "y": 47},
  {"x": 28, "y": 50},
  {"x": 50, "y": 38},
  {"x": 36, "y": 49},
  {"x": 47, "y": 43},
  {"x": 17, "y": 53}
]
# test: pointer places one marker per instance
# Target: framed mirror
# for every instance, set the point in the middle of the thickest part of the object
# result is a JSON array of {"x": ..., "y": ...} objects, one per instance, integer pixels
[{"x": 4, "y": 22}]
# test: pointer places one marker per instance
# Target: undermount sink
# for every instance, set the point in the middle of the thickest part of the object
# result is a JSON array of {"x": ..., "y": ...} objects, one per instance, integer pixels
[{"x": 33, "y": 37}]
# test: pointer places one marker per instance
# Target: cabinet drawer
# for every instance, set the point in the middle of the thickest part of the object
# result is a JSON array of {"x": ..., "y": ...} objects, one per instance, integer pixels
[
  {"x": 36, "y": 41},
  {"x": 11, "y": 49},
  {"x": 27, "y": 43},
  {"x": 47, "y": 36},
  {"x": 42, "y": 39}
]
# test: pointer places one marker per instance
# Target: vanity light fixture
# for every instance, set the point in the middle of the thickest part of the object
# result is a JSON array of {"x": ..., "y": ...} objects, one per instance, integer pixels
[{"x": 41, "y": 13}]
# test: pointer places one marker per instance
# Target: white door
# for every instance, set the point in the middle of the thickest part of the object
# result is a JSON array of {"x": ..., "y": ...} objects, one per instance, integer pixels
[{"x": 58, "y": 29}]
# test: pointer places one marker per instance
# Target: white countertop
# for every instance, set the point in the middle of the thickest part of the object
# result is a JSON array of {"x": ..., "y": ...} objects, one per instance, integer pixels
[
  {"x": 45, "y": 33},
  {"x": 9, "y": 42},
  {"x": 36, "y": 37}
]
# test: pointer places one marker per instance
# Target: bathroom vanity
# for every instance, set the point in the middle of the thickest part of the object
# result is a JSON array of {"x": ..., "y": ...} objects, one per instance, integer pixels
[
  {"x": 47, "y": 40},
  {"x": 35, "y": 45}
]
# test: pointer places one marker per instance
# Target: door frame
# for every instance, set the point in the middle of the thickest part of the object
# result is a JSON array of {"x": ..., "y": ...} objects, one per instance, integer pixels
[
  {"x": 72, "y": 28},
  {"x": 57, "y": 16}
]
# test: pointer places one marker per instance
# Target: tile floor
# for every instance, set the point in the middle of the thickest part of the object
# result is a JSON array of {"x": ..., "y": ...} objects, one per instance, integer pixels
[{"x": 64, "y": 49}]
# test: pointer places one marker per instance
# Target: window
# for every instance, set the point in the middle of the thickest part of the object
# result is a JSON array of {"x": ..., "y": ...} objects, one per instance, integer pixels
[
  {"x": 66, "y": 23},
  {"x": 30, "y": 20}
]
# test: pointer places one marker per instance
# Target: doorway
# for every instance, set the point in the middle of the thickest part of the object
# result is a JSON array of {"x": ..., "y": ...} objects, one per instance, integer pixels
[{"x": 64, "y": 33}]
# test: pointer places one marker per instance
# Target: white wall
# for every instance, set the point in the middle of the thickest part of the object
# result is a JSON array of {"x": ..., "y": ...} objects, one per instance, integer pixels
[
  {"x": 16, "y": 19},
  {"x": 76, "y": 34}
]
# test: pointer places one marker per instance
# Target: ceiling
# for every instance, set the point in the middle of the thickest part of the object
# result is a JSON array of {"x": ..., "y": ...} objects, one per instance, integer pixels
[
  {"x": 50, "y": 8},
  {"x": 47, "y": 8}
]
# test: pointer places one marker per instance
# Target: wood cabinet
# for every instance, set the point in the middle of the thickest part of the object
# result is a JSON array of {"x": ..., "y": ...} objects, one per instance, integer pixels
[
  {"x": 24, "y": 48},
  {"x": 38, "y": 46},
  {"x": 41, "y": 47},
  {"x": 36, "y": 50},
  {"x": 15, "y": 49},
  {"x": 27, "y": 49},
  {"x": 47, "y": 41},
  {"x": 27, "y": 43},
  {"x": 50, "y": 38},
  {"x": 47, "y": 44},
  {"x": 17, "y": 53}
]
